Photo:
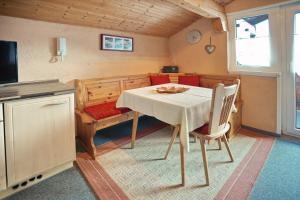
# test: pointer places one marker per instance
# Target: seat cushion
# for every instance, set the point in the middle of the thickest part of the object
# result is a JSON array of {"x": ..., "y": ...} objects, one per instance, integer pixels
[
  {"x": 124, "y": 110},
  {"x": 193, "y": 80},
  {"x": 203, "y": 129},
  {"x": 104, "y": 110},
  {"x": 159, "y": 79}
]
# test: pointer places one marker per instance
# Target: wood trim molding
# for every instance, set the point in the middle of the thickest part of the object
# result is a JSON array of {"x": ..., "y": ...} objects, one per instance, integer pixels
[
  {"x": 206, "y": 8},
  {"x": 260, "y": 131}
]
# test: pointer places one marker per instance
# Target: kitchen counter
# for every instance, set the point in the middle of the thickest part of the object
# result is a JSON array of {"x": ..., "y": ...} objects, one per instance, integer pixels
[{"x": 33, "y": 89}]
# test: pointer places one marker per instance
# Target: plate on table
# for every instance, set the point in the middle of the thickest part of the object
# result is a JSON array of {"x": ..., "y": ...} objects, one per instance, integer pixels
[{"x": 171, "y": 90}]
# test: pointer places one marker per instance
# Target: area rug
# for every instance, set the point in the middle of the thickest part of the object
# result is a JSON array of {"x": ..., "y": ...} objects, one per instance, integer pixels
[
  {"x": 141, "y": 173},
  {"x": 121, "y": 173}
]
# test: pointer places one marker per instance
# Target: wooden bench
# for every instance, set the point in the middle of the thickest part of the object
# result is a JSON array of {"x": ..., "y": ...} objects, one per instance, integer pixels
[
  {"x": 96, "y": 91},
  {"x": 91, "y": 92}
]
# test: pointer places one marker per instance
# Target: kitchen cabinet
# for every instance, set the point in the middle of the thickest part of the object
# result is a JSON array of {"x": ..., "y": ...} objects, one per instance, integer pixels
[
  {"x": 2, "y": 153},
  {"x": 39, "y": 135}
]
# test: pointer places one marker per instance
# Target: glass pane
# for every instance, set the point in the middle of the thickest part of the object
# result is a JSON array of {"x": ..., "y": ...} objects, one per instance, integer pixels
[
  {"x": 253, "y": 41},
  {"x": 297, "y": 91},
  {"x": 296, "y": 45},
  {"x": 296, "y": 65}
]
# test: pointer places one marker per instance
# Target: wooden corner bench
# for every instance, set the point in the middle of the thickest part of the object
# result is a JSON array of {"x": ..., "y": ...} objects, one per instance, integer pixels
[
  {"x": 92, "y": 92},
  {"x": 95, "y": 103}
]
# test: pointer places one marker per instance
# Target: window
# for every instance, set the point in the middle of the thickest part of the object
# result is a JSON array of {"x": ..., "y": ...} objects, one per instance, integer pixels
[{"x": 253, "y": 41}]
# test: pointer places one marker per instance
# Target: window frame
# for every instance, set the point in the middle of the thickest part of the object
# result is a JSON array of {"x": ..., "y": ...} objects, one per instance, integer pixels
[{"x": 274, "y": 16}]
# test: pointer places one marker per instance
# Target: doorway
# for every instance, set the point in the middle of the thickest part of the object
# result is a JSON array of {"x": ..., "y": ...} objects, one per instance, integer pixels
[{"x": 292, "y": 38}]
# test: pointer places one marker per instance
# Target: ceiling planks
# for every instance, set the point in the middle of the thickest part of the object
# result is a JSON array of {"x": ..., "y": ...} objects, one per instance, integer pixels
[{"x": 152, "y": 17}]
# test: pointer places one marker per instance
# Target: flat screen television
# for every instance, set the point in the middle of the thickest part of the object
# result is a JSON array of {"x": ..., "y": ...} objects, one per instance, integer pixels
[{"x": 8, "y": 62}]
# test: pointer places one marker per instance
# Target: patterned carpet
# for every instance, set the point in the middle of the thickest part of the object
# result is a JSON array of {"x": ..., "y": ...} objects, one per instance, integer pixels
[{"x": 142, "y": 174}]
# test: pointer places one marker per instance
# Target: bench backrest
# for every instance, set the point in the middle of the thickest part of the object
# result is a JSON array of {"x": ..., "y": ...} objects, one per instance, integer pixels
[
  {"x": 99, "y": 90},
  {"x": 210, "y": 81}
]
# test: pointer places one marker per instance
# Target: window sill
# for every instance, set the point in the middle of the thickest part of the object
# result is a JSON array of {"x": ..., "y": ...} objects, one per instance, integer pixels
[{"x": 250, "y": 73}]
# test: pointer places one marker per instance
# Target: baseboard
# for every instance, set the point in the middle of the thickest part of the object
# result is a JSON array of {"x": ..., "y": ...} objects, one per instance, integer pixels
[
  {"x": 261, "y": 131},
  {"x": 291, "y": 138}
]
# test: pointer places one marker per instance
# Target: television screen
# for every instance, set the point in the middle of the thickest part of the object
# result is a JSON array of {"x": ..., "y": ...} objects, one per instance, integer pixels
[{"x": 8, "y": 62}]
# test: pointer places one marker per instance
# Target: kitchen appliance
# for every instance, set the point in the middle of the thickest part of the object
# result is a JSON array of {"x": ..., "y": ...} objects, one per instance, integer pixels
[{"x": 170, "y": 69}]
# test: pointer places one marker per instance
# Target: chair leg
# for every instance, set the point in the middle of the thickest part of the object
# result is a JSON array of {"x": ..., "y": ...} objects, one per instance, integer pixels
[
  {"x": 220, "y": 143},
  {"x": 174, "y": 136},
  {"x": 204, "y": 157},
  {"x": 195, "y": 139},
  {"x": 227, "y": 147},
  {"x": 172, "y": 128}
]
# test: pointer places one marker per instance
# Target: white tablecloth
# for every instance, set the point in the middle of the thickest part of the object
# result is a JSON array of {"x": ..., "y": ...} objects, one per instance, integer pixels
[{"x": 189, "y": 109}]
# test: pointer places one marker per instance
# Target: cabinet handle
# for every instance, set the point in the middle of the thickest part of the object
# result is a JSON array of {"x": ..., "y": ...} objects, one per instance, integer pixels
[{"x": 54, "y": 104}]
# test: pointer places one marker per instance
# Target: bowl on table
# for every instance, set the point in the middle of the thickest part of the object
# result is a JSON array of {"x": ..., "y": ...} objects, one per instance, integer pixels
[{"x": 171, "y": 90}]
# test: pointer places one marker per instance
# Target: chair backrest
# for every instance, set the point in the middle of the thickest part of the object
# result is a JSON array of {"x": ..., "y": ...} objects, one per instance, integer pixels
[{"x": 221, "y": 106}]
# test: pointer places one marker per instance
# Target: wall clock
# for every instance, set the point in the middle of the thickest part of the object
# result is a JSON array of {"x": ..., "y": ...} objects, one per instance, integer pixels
[{"x": 193, "y": 36}]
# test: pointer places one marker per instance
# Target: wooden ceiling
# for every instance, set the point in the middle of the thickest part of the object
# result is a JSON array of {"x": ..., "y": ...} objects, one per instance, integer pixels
[{"x": 152, "y": 17}]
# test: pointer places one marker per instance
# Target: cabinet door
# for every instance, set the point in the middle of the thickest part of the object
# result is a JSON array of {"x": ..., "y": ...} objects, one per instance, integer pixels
[
  {"x": 39, "y": 135},
  {"x": 2, "y": 157}
]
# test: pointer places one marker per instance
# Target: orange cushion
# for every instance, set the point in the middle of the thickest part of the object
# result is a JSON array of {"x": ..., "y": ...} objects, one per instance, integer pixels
[
  {"x": 104, "y": 110},
  {"x": 203, "y": 129},
  {"x": 160, "y": 79},
  {"x": 193, "y": 80}
]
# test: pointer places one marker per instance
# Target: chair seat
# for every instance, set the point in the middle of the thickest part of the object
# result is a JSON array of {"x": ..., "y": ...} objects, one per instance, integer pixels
[
  {"x": 104, "y": 110},
  {"x": 203, "y": 129},
  {"x": 202, "y": 132}
]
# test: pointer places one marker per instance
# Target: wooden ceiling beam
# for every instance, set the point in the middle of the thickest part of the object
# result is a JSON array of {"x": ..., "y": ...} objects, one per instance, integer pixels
[{"x": 205, "y": 8}]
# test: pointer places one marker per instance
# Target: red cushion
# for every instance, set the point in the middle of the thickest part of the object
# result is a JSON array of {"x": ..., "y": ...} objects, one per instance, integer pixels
[
  {"x": 203, "y": 129},
  {"x": 161, "y": 79},
  {"x": 124, "y": 110},
  {"x": 104, "y": 110},
  {"x": 189, "y": 80}
]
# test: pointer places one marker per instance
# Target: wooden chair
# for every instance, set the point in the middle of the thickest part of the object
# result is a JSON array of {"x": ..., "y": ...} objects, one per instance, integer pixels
[{"x": 221, "y": 107}]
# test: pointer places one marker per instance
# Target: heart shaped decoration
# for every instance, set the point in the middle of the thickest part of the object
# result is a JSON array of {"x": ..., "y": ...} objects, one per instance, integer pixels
[{"x": 210, "y": 48}]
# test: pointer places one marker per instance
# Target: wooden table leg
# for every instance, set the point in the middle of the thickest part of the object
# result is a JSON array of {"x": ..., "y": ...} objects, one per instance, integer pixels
[
  {"x": 182, "y": 162},
  {"x": 134, "y": 128}
]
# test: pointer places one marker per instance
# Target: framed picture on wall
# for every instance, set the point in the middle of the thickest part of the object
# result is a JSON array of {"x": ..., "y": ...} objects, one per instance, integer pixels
[{"x": 116, "y": 43}]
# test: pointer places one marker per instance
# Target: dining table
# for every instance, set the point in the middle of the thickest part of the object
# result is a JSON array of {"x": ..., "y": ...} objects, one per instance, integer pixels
[{"x": 186, "y": 111}]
